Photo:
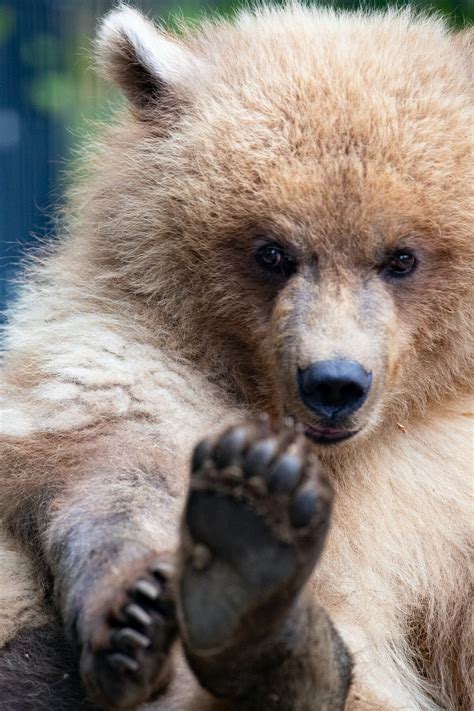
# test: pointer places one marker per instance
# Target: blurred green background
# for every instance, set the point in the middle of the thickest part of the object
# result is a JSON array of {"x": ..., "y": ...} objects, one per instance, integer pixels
[{"x": 50, "y": 97}]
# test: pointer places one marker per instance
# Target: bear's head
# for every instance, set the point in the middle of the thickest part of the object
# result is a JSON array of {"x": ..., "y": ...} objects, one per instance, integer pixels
[{"x": 293, "y": 191}]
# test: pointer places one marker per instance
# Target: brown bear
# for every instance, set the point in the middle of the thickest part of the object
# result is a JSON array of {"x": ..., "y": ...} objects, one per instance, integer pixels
[{"x": 279, "y": 223}]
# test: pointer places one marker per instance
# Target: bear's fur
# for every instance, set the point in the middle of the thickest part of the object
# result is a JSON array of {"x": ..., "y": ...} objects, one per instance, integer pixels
[{"x": 342, "y": 138}]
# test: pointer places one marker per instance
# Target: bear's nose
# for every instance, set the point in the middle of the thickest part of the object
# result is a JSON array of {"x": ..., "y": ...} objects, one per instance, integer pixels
[{"x": 334, "y": 387}]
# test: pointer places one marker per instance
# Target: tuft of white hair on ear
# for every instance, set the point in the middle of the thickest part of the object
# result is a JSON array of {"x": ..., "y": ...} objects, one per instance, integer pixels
[{"x": 141, "y": 59}]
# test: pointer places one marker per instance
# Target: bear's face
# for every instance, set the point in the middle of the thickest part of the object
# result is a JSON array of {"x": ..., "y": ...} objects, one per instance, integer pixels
[
  {"x": 313, "y": 202},
  {"x": 346, "y": 265}
]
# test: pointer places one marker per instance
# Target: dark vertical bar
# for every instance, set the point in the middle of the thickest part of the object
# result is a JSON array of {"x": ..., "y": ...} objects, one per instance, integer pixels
[{"x": 30, "y": 136}]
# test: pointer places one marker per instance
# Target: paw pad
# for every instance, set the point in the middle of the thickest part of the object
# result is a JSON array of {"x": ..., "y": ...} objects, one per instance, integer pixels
[
  {"x": 264, "y": 466},
  {"x": 254, "y": 524}
]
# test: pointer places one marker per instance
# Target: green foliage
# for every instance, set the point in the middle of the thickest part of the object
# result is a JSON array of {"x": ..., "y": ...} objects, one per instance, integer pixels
[
  {"x": 57, "y": 67},
  {"x": 7, "y": 22},
  {"x": 458, "y": 12},
  {"x": 53, "y": 92}
]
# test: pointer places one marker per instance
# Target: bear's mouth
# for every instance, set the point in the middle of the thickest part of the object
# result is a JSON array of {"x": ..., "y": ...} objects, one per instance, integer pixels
[{"x": 327, "y": 435}]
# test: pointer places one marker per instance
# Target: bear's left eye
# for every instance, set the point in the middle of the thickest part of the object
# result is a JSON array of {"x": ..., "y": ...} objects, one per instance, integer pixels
[
  {"x": 402, "y": 263},
  {"x": 275, "y": 259}
]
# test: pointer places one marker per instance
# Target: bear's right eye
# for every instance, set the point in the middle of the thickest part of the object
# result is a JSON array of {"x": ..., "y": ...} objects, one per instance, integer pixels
[{"x": 275, "y": 259}]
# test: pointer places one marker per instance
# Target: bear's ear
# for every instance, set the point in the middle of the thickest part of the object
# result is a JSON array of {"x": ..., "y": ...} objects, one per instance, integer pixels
[{"x": 139, "y": 58}]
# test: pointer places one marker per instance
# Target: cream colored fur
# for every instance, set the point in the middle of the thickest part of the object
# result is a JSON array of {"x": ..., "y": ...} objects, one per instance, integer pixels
[{"x": 92, "y": 340}]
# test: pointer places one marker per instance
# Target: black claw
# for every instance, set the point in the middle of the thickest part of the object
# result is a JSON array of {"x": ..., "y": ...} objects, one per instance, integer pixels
[
  {"x": 148, "y": 589},
  {"x": 138, "y": 614},
  {"x": 200, "y": 454},
  {"x": 302, "y": 508},
  {"x": 259, "y": 457},
  {"x": 131, "y": 638},
  {"x": 166, "y": 609},
  {"x": 285, "y": 474},
  {"x": 122, "y": 663},
  {"x": 229, "y": 447},
  {"x": 162, "y": 572}
]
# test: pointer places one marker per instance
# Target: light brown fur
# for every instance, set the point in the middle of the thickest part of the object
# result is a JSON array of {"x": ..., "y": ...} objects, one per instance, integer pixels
[{"x": 146, "y": 329}]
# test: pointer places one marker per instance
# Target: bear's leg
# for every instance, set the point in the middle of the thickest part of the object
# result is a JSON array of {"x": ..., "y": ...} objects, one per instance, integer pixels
[
  {"x": 254, "y": 525},
  {"x": 106, "y": 538},
  {"x": 112, "y": 584}
]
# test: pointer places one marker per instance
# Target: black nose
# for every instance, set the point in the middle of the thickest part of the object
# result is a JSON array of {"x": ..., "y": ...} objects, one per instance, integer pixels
[{"x": 334, "y": 387}]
